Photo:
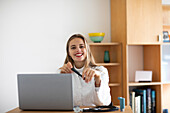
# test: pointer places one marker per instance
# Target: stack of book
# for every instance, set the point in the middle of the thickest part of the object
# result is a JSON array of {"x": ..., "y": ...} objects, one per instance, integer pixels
[{"x": 143, "y": 100}]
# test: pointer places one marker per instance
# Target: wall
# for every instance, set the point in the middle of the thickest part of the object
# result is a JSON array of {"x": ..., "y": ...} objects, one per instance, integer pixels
[
  {"x": 166, "y": 2},
  {"x": 33, "y": 35}
]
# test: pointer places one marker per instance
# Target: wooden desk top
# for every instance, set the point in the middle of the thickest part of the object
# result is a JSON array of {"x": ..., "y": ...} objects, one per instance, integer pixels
[{"x": 17, "y": 110}]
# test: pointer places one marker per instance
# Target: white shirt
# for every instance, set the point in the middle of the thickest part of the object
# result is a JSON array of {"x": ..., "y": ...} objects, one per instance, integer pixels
[{"x": 86, "y": 94}]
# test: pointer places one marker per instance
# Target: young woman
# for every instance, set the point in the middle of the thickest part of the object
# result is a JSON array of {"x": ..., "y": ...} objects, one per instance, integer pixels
[{"x": 92, "y": 88}]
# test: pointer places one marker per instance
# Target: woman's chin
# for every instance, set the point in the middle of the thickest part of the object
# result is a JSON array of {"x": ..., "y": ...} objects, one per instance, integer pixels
[{"x": 79, "y": 60}]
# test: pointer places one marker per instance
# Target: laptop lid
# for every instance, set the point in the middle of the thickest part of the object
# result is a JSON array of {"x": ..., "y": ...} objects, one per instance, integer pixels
[{"x": 45, "y": 91}]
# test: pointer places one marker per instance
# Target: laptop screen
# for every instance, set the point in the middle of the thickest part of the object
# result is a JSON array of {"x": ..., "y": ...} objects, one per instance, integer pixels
[{"x": 45, "y": 91}]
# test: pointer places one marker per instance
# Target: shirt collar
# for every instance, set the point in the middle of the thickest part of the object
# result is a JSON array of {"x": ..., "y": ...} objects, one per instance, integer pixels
[{"x": 80, "y": 70}]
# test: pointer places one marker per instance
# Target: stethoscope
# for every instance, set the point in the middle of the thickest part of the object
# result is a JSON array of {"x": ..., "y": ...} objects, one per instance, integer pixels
[
  {"x": 108, "y": 108},
  {"x": 101, "y": 109}
]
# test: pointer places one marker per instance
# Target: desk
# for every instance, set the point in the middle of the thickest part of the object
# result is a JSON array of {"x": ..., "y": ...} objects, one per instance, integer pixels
[{"x": 17, "y": 110}]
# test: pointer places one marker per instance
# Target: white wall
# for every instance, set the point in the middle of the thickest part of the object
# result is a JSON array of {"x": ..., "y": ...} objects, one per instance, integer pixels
[
  {"x": 33, "y": 34},
  {"x": 166, "y": 2}
]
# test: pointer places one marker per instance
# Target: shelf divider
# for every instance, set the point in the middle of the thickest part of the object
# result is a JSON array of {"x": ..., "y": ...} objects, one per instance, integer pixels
[
  {"x": 107, "y": 64},
  {"x": 143, "y": 83},
  {"x": 102, "y": 44},
  {"x": 114, "y": 84}
]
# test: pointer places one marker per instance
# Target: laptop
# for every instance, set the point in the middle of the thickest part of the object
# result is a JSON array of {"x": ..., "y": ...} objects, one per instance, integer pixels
[{"x": 45, "y": 91}]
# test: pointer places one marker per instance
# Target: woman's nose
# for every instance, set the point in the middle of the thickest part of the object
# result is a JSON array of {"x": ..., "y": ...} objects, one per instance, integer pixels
[{"x": 78, "y": 49}]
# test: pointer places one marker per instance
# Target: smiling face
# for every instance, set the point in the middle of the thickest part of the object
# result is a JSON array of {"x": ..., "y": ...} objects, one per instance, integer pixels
[{"x": 77, "y": 50}]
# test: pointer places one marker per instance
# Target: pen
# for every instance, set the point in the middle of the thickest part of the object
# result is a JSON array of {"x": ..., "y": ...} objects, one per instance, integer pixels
[{"x": 73, "y": 69}]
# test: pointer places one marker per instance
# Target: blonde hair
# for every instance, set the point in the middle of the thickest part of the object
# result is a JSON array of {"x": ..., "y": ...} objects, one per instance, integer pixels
[{"x": 89, "y": 61}]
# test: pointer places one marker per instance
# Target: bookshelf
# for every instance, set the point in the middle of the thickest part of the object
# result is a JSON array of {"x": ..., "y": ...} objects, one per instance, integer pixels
[
  {"x": 114, "y": 67},
  {"x": 133, "y": 24},
  {"x": 136, "y": 29},
  {"x": 148, "y": 58}
]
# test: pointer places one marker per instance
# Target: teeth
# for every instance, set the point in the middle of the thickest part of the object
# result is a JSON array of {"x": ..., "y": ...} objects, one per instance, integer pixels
[{"x": 78, "y": 54}]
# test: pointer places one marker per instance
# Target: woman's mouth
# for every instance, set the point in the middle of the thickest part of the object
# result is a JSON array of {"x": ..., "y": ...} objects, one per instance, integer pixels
[{"x": 79, "y": 54}]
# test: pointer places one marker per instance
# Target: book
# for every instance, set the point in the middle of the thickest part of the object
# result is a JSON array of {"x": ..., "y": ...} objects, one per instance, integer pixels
[
  {"x": 142, "y": 93},
  {"x": 132, "y": 100},
  {"x": 148, "y": 100},
  {"x": 137, "y": 104},
  {"x": 153, "y": 101}
]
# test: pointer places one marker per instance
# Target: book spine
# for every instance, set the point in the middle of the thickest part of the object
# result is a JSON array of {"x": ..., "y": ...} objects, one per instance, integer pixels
[
  {"x": 144, "y": 101},
  {"x": 136, "y": 110},
  {"x": 148, "y": 100},
  {"x": 142, "y": 104},
  {"x": 136, "y": 105},
  {"x": 153, "y": 102},
  {"x": 139, "y": 104},
  {"x": 130, "y": 98},
  {"x": 133, "y": 102}
]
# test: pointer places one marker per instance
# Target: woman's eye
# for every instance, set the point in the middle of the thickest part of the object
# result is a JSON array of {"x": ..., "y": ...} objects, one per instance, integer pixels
[
  {"x": 73, "y": 47},
  {"x": 81, "y": 46}
]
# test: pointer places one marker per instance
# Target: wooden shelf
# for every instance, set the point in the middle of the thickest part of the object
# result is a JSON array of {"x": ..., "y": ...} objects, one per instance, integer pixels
[
  {"x": 114, "y": 84},
  {"x": 144, "y": 84},
  {"x": 102, "y": 44},
  {"x": 107, "y": 64},
  {"x": 114, "y": 67},
  {"x": 154, "y": 43}
]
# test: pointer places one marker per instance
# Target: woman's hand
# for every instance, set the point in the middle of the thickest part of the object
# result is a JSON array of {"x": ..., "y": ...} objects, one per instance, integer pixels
[
  {"x": 90, "y": 73},
  {"x": 66, "y": 68}
]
